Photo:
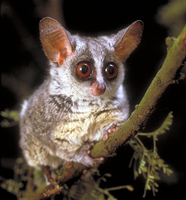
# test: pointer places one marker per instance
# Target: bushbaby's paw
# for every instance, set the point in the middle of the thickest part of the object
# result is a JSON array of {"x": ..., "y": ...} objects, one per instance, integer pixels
[
  {"x": 113, "y": 127},
  {"x": 49, "y": 179},
  {"x": 83, "y": 155},
  {"x": 90, "y": 147},
  {"x": 95, "y": 159}
]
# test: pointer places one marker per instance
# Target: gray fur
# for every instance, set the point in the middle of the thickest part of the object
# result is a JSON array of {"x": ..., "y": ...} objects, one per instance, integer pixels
[{"x": 62, "y": 118}]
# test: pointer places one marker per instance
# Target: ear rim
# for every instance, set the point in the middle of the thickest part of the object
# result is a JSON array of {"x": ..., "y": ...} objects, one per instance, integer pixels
[
  {"x": 129, "y": 40},
  {"x": 55, "y": 40}
]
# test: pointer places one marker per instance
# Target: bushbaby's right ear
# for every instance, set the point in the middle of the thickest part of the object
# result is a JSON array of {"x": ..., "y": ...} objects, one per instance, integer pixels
[
  {"x": 55, "y": 41},
  {"x": 127, "y": 40}
]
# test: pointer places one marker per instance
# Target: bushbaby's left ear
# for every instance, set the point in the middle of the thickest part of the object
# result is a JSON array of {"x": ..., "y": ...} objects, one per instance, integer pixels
[{"x": 127, "y": 40}]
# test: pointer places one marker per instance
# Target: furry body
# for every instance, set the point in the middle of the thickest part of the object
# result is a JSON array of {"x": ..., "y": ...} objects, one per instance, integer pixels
[{"x": 62, "y": 117}]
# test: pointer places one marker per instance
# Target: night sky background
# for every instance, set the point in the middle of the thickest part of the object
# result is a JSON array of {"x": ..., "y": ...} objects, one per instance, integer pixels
[{"x": 24, "y": 67}]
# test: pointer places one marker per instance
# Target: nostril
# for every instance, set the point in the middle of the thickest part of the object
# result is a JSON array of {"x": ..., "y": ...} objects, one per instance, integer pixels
[
  {"x": 101, "y": 89},
  {"x": 97, "y": 89}
]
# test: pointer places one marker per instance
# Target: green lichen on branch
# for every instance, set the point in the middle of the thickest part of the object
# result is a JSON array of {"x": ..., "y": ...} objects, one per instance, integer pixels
[{"x": 147, "y": 162}]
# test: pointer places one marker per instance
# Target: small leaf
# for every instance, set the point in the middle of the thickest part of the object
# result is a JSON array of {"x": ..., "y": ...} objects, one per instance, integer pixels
[
  {"x": 104, "y": 179},
  {"x": 5, "y": 123},
  {"x": 135, "y": 174},
  {"x": 108, "y": 175}
]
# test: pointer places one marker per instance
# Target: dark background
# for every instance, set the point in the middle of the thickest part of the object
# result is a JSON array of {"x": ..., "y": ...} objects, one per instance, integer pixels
[{"x": 24, "y": 67}]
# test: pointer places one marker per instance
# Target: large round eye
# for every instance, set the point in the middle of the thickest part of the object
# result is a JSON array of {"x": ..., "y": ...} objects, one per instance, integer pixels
[
  {"x": 111, "y": 71},
  {"x": 83, "y": 70}
]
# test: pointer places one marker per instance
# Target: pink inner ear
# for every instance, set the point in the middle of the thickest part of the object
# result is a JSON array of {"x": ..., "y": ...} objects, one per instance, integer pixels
[
  {"x": 129, "y": 41},
  {"x": 55, "y": 41}
]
